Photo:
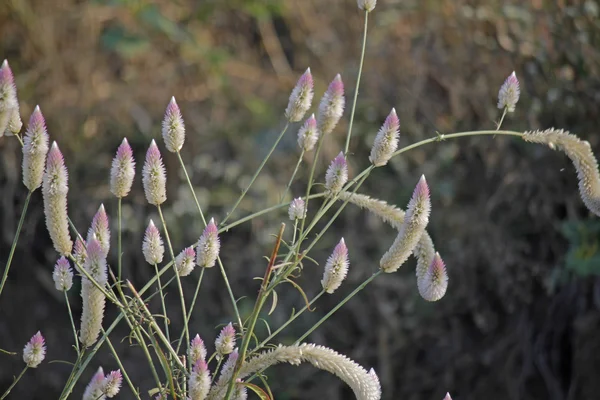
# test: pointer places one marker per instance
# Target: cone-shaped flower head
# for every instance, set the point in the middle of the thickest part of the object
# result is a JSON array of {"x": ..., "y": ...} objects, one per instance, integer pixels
[
  {"x": 62, "y": 275},
  {"x": 173, "y": 129},
  {"x": 308, "y": 134},
  {"x": 93, "y": 390},
  {"x": 297, "y": 209},
  {"x": 209, "y": 246},
  {"x": 331, "y": 107},
  {"x": 199, "y": 382},
  {"x": 447, "y": 397},
  {"x": 337, "y": 174},
  {"x": 432, "y": 286},
  {"x": 336, "y": 268},
  {"x": 122, "y": 170},
  {"x": 112, "y": 383},
  {"x": 185, "y": 261},
  {"x": 386, "y": 141},
  {"x": 79, "y": 252},
  {"x": 301, "y": 98},
  {"x": 509, "y": 93},
  {"x": 153, "y": 247},
  {"x": 367, "y": 5},
  {"x": 415, "y": 222},
  {"x": 10, "y": 120},
  {"x": 197, "y": 350},
  {"x": 54, "y": 190},
  {"x": 35, "y": 149},
  {"x": 100, "y": 228},
  {"x": 34, "y": 351},
  {"x": 154, "y": 176},
  {"x": 225, "y": 342}
]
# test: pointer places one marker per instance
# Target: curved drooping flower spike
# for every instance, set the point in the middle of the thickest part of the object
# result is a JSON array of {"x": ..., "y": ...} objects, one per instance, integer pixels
[
  {"x": 35, "y": 149},
  {"x": 93, "y": 390},
  {"x": 415, "y": 222},
  {"x": 199, "y": 381},
  {"x": 308, "y": 134},
  {"x": 122, "y": 170},
  {"x": 197, "y": 350},
  {"x": 153, "y": 247},
  {"x": 336, "y": 268},
  {"x": 225, "y": 342},
  {"x": 173, "y": 128},
  {"x": 154, "y": 176},
  {"x": 331, "y": 106},
  {"x": 300, "y": 98},
  {"x": 34, "y": 351},
  {"x": 509, "y": 93},
  {"x": 434, "y": 283},
  {"x": 337, "y": 174},
  {"x": 185, "y": 261},
  {"x": 297, "y": 210},
  {"x": 367, "y": 5},
  {"x": 580, "y": 153},
  {"x": 112, "y": 383},
  {"x": 386, "y": 141},
  {"x": 62, "y": 275},
  {"x": 54, "y": 190},
  {"x": 10, "y": 118},
  {"x": 99, "y": 227},
  {"x": 209, "y": 246}
]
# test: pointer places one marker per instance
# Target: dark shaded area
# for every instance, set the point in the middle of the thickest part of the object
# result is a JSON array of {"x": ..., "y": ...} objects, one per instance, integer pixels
[{"x": 521, "y": 316}]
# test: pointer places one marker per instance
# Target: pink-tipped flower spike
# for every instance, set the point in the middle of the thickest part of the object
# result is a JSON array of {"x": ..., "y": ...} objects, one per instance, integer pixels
[
  {"x": 54, "y": 189},
  {"x": 185, "y": 261},
  {"x": 509, "y": 93},
  {"x": 35, "y": 149},
  {"x": 447, "y": 397},
  {"x": 173, "y": 129},
  {"x": 301, "y": 98},
  {"x": 225, "y": 342},
  {"x": 93, "y": 390},
  {"x": 197, "y": 350},
  {"x": 153, "y": 247},
  {"x": 79, "y": 252},
  {"x": 331, "y": 107},
  {"x": 336, "y": 268},
  {"x": 122, "y": 170},
  {"x": 367, "y": 5},
  {"x": 9, "y": 104},
  {"x": 308, "y": 134},
  {"x": 62, "y": 275},
  {"x": 229, "y": 366},
  {"x": 386, "y": 141},
  {"x": 95, "y": 262},
  {"x": 433, "y": 285},
  {"x": 34, "y": 351},
  {"x": 154, "y": 176},
  {"x": 415, "y": 222},
  {"x": 297, "y": 209},
  {"x": 100, "y": 228},
  {"x": 209, "y": 246},
  {"x": 112, "y": 383},
  {"x": 337, "y": 174},
  {"x": 199, "y": 381}
]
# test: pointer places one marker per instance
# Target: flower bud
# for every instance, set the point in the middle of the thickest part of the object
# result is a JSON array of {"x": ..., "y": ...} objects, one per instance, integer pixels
[
  {"x": 173, "y": 129},
  {"x": 367, "y": 5},
  {"x": 297, "y": 209},
  {"x": 308, "y": 134},
  {"x": 153, "y": 247},
  {"x": 331, "y": 107},
  {"x": 35, "y": 149},
  {"x": 386, "y": 141},
  {"x": 93, "y": 390},
  {"x": 337, "y": 174},
  {"x": 62, "y": 275},
  {"x": 432, "y": 286},
  {"x": 197, "y": 350},
  {"x": 509, "y": 93},
  {"x": 122, "y": 170},
  {"x": 209, "y": 246},
  {"x": 336, "y": 268},
  {"x": 225, "y": 342},
  {"x": 185, "y": 261},
  {"x": 112, "y": 383},
  {"x": 100, "y": 228},
  {"x": 154, "y": 176},
  {"x": 301, "y": 98},
  {"x": 34, "y": 351}
]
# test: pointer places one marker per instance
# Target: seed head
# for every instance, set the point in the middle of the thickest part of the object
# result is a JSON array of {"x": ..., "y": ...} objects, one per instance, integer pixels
[
  {"x": 367, "y": 5},
  {"x": 432, "y": 286},
  {"x": 337, "y": 174},
  {"x": 297, "y": 209},
  {"x": 173, "y": 129},
  {"x": 331, "y": 107},
  {"x": 336, "y": 268},
  {"x": 386, "y": 141},
  {"x": 35, "y": 149},
  {"x": 153, "y": 247},
  {"x": 112, "y": 383},
  {"x": 308, "y": 134},
  {"x": 62, "y": 275},
  {"x": 93, "y": 390},
  {"x": 226, "y": 340},
  {"x": 209, "y": 246},
  {"x": 301, "y": 98},
  {"x": 122, "y": 170},
  {"x": 509, "y": 93},
  {"x": 154, "y": 176},
  {"x": 185, "y": 261},
  {"x": 34, "y": 351},
  {"x": 100, "y": 228},
  {"x": 197, "y": 350}
]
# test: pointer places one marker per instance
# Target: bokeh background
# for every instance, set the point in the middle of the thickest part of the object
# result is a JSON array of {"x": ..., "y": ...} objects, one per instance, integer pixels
[{"x": 521, "y": 316}]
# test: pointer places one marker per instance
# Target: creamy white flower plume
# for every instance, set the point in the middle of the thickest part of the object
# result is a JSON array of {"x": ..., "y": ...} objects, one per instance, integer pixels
[
  {"x": 173, "y": 128},
  {"x": 112, "y": 383},
  {"x": 337, "y": 174},
  {"x": 153, "y": 247},
  {"x": 434, "y": 283},
  {"x": 336, "y": 268},
  {"x": 99, "y": 227},
  {"x": 308, "y": 134},
  {"x": 301, "y": 98},
  {"x": 199, "y": 381},
  {"x": 331, "y": 106},
  {"x": 197, "y": 350},
  {"x": 209, "y": 246},
  {"x": 154, "y": 176},
  {"x": 225, "y": 342},
  {"x": 35, "y": 149},
  {"x": 122, "y": 170},
  {"x": 297, "y": 209},
  {"x": 10, "y": 119},
  {"x": 93, "y": 390},
  {"x": 508, "y": 96},
  {"x": 93, "y": 300},
  {"x": 386, "y": 141},
  {"x": 34, "y": 351},
  {"x": 62, "y": 275},
  {"x": 185, "y": 261}
]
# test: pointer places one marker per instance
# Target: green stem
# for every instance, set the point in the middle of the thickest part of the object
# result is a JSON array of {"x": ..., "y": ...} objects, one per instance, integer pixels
[
  {"x": 15, "y": 240},
  {"x": 72, "y": 321},
  {"x": 14, "y": 383},
  {"x": 122, "y": 368},
  {"x": 293, "y": 176},
  {"x": 162, "y": 302},
  {"x": 189, "y": 315},
  {"x": 501, "y": 119},
  {"x": 119, "y": 244},
  {"x": 362, "y": 59}
]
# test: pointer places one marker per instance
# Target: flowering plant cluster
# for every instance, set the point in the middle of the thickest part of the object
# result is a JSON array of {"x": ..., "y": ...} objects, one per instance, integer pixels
[{"x": 187, "y": 368}]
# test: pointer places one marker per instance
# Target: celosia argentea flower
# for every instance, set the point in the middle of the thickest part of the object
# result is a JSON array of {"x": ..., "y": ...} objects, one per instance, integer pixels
[
  {"x": 197, "y": 350},
  {"x": 173, "y": 128},
  {"x": 10, "y": 119},
  {"x": 209, "y": 246},
  {"x": 226, "y": 340},
  {"x": 297, "y": 209},
  {"x": 34, "y": 351},
  {"x": 54, "y": 190},
  {"x": 336, "y": 268},
  {"x": 308, "y": 134},
  {"x": 337, "y": 174},
  {"x": 62, "y": 275},
  {"x": 153, "y": 247},
  {"x": 94, "y": 389},
  {"x": 508, "y": 96},
  {"x": 112, "y": 383},
  {"x": 301, "y": 98},
  {"x": 122, "y": 170},
  {"x": 35, "y": 149},
  {"x": 93, "y": 299},
  {"x": 386, "y": 141},
  {"x": 434, "y": 283},
  {"x": 185, "y": 261},
  {"x": 331, "y": 106},
  {"x": 199, "y": 381},
  {"x": 154, "y": 176},
  {"x": 99, "y": 227},
  {"x": 367, "y": 5},
  {"x": 79, "y": 252}
]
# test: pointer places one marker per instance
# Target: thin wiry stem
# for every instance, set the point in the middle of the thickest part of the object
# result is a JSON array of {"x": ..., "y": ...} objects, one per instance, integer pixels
[
  {"x": 122, "y": 368},
  {"x": 119, "y": 244},
  {"x": 293, "y": 176},
  {"x": 502, "y": 118},
  {"x": 162, "y": 302},
  {"x": 72, "y": 321},
  {"x": 17, "y": 379},
  {"x": 189, "y": 315}
]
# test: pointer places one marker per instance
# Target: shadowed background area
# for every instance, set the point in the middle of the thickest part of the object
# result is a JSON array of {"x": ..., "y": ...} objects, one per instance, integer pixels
[{"x": 521, "y": 316}]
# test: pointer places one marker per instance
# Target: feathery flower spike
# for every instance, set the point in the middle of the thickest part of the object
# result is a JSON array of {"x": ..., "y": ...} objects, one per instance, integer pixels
[
  {"x": 432, "y": 286},
  {"x": 367, "y": 5},
  {"x": 337, "y": 174},
  {"x": 79, "y": 252},
  {"x": 228, "y": 367},
  {"x": 336, "y": 268},
  {"x": 54, "y": 190},
  {"x": 197, "y": 350},
  {"x": 508, "y": 96},
  {"x": 386, "y": 141},
  {"x": 301, "y": 98},
  {"x": 308, "y": 134},
  {"x": 95, "y": 262},
  {"x": 154, "y": 176},
  {"x": 415, "y": 222},
  {"x": 153, "y": 247},
  {"x": 122, "y": 170},
  {"x": 34, "y": 351},
  {"x": 10, "y": 120},
  {"x": 447, "y": 397},
  {"x": 35, "y": 149},
  {"x": 185, "y": 261},
  {"x": 173, "y": 128},
  {"x": 93, "y": 300},
  {"x": 199, "y": 382},
  {"x": 62, "y": 275},
  {"x": 297, "y": 209},
  {"x": 93, "y": 390},
  {"x": 225, "y": 342},
  {"x": 331, "y": 106},
  {"x": 100, "y": 228},
  {"x": 112, "y": 383},
  {"x": 209, "y": 246}
]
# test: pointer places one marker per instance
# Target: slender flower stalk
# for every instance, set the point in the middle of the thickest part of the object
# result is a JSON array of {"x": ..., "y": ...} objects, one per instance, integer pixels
[
  {"x": 337, "y": 174},
  {"x": 386, "y": 141},
  {"x": 154, "y": 176},
  {"x": 62, "y": 275},
  {"x": 34, "y": 351},
  {"x": 100, "y": 229},
  {"x": 336, "y": 268},
  {"x": 434, "y": 283},
  {"x": 509, "y": 93},
  {"x": 152, "y": 246},
  {"x": 185, "y": 261},
  {"x": 173, "y": 128},
  {"x": 209, "y": 246},
  {"x": 122, "y": 170},
  {"x": 331, "y": 106},
  {"x": 35, "y": 149},
  {"x": 301, "y": 98}
]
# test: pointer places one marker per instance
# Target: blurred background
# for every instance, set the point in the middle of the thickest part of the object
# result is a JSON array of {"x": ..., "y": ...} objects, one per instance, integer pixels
[{"x": 521, "y": 316}]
